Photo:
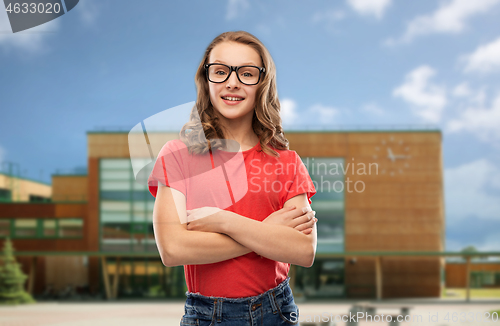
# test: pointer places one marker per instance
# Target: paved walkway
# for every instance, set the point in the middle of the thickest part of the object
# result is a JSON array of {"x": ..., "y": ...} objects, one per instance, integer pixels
[{"x": 168, "y": 313}]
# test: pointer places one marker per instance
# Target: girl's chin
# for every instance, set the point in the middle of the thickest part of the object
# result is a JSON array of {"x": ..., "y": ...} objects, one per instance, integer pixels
[
  {"x": 232, "y": 113},
  {"x": 231, "y": 116}
]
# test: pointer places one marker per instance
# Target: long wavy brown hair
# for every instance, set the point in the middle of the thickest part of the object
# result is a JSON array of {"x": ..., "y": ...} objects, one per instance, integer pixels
[{"x": 204, "y": 129}]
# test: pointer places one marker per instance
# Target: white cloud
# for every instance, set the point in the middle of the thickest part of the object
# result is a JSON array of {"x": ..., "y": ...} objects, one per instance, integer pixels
[
  {"x": 450, "y": 17},
  {"x": 485, "y": 59},
  {"x": 374, "y": 8},
  {"x": 235, "y": 7},
  {"x": 326, "y": 113},
  {"x": 427, "y": 99},
  {"x": 480, "y": 121},
  {"x": 464, "y": 92},
  {"x": 31, "y": 40},
  {"x": 288, "y": 111},
  {"x": 466, "y": 192}
]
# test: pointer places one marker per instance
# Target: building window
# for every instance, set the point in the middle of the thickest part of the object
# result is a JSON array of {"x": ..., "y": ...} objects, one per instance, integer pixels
[
  {"x": 49, "y": 228},
  {"x": 42, "y": 228},
  {"x": 126, "y": 208},
  {"x": 325, "y": 279},
  {"x": 25, "y": 228},
  {"x": 38, "y": 199},
  {"x": 70, "y": 228},
  {"x": 328, "y": 179},
  {"x": 4, "y": 228},
  {"x": 497, "y": 278},
  {"x": 5, "y": 195},
  {"x": 488, "y": 278}
]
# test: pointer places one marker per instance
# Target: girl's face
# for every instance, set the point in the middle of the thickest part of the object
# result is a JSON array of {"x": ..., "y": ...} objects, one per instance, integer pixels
[{"x": 234, "y": 54}]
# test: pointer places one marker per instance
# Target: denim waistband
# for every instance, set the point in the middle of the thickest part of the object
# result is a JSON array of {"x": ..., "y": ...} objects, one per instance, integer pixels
[{"x": 210, "y": 306}]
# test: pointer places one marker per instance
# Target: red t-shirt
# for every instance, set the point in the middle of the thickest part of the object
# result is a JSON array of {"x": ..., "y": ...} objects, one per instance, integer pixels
[{"x": 250, "y": 183}]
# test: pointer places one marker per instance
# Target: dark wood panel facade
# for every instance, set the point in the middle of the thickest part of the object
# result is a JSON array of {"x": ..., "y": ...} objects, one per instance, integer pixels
[{"x": 398, "y": 211}]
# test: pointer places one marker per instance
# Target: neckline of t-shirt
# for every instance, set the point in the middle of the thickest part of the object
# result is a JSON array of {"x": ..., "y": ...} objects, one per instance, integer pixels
[
  {"x": 256, "y": 147},
  {"x": 253, "y": 148}
]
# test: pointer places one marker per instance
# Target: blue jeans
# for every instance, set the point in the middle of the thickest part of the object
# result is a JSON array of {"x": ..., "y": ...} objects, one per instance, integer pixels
[{"x": 273, "y": 307}]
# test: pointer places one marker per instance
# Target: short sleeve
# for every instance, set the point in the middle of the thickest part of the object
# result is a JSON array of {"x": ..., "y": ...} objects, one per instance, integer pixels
[
  {"x": 168, "y": 168},
  {"x": 299, "y": 183}
]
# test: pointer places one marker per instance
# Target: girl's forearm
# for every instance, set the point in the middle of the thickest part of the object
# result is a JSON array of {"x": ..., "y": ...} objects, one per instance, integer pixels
[
  {"x": 276, "y": 242},
  {"x": 197, "y": 247}
]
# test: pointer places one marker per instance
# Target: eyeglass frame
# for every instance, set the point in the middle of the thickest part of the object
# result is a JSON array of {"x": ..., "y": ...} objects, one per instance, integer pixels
[{"x": 235, "y": 69}]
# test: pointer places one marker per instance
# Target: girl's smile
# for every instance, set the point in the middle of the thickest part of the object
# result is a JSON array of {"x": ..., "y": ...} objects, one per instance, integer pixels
[{"x": 232, "y": 99}]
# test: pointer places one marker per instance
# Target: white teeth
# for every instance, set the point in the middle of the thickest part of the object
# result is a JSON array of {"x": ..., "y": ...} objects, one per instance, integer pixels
[{"x": 233, "y": 98}]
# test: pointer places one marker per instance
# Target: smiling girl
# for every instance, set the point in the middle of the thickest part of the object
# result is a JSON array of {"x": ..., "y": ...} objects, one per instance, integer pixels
[{"x": 236, "y": 238}]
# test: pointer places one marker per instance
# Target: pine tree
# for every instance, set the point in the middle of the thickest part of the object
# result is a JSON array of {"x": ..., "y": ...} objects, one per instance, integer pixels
[{"x": 12, "y": 279}]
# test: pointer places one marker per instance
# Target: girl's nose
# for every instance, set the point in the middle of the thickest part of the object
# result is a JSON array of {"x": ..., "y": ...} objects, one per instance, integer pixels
[{"x": 233, "y": 81}]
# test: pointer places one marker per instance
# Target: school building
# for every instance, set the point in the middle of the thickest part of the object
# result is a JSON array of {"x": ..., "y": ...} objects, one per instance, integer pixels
[{"x": 378, "y": 191}]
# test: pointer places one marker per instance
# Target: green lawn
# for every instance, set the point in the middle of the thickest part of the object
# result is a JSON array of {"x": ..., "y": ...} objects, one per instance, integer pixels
[{"x": 451, "y": 293}]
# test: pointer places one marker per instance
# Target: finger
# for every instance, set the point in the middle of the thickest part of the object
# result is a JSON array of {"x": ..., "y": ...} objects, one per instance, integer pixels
[
  {"x": 300, "y": 220},
  {"x": 292, "y": 214},
  {"x": 307, "y": 231},
  {"x": 298, "y": 212},
  {"x": 282, "y": 213},
  {"x": 289, "y": 208},
  {"x": 310, "y": 214},
  {"x": 303, "y": 218},
  {"x": 308, "y": 224}
]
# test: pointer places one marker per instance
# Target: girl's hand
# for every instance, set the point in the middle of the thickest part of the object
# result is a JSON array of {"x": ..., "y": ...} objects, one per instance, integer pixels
[
  {"x": 300, "y": 219},
  {"x": 197, "y": 213},
  {"x": 207, "y": 219}
]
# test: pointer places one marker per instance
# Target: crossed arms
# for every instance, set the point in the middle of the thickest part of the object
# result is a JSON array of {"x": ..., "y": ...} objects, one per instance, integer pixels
[{"x": 288, "y": 235}]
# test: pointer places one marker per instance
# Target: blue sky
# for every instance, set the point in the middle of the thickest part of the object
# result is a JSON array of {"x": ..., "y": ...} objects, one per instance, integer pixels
[{"x": 113, "y": 63}]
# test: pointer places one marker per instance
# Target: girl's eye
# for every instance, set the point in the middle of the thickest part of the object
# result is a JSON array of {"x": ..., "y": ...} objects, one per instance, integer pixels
[
  {"x": 220, "y": 72},
  {"x": 247, "y": 74}
]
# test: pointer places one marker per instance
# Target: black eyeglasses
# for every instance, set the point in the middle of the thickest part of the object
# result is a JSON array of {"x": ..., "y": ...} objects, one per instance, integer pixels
[{"x": 219, "y": 73}]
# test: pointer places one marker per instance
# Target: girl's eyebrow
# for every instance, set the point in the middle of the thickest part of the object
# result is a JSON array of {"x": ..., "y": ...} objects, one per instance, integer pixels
[{"x": 243, "y": 64}]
